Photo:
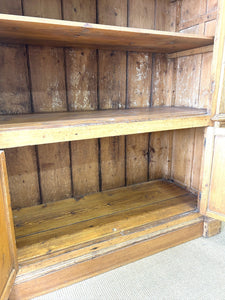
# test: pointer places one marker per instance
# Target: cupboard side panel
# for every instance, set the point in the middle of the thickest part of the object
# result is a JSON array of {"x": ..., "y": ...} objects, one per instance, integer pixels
[
  {"x": 48, "y": 88},
  {"x": 112, "y": 95},
  {"x": 81, "y": 80},
  {"x": 8, "y": 259},
  {"x": 193, "y": 88},
  {"x": 15, "y": 99}
]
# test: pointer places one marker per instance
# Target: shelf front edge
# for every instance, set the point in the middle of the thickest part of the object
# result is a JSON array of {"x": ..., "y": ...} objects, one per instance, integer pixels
[{"x": 33, "y": 135}]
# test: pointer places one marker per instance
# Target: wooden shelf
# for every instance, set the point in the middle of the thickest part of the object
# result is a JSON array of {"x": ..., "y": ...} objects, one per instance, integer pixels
[
  {"x": 34, "y": 129},
  {"x": 73, "y": 231},
  {"x": 41, "y": 31}
]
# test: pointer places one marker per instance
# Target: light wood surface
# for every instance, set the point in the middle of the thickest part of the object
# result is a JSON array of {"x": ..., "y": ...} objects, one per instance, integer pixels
[
  {"x": 34, "y": 129},
  {"x": 74, "y": 232},
  {"x": 211, "y": 227},
  {"x": 8, "y": 259},
  {"x": 212, "y": 186},
  {"x": 64, "y": 276},
  {"x": 217, "y": 190},
  {"x": 31, "y": 30},
  {"x": 97, "y": 217}
]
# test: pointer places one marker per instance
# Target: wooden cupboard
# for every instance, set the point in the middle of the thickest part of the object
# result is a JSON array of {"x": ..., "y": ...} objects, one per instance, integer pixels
[{"x": 111, "y": 134}]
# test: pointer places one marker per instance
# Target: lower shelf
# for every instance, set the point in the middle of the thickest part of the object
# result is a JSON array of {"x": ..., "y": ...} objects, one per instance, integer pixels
[{"x": 69, "y": 240}]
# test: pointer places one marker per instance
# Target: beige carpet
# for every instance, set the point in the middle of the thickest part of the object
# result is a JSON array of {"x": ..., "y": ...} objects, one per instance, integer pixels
[{"x": 195, "y": 270}]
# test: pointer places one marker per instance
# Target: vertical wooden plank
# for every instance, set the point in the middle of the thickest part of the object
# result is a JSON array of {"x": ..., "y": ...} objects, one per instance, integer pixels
[
  {"x": 162, "y": 92},
  {"x": 217, "y": 190},
  {"x": 160, "y": 155},
  {"x": 15, "y": 99},
  {"x": 212, "y": 5},
  {"x": 112, "y": 94},
  {"x": 197, "y": 158},
  {"x": 182, "y": 157},
  {"x": 191, "y": 9},
  {"x": 81, "y": 74},
  {"x": 204, "y": 101},
  {"x": 8, "y": 259},
  {"x": 186, "y": 167},
  {"x": 49, "y": 95},
  {"x": 141, "y": 14},
  {"x": 23, "y": 176},
  {"x": 10, "y": 7}
]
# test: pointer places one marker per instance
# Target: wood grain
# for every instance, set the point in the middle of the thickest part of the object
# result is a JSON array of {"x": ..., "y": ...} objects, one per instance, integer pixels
[
  {"x": 106, "y": 262},
  {"x": 112, "y": 95},
  {"x": 49, "y": 95},
  {"x": 8, "y": 258},
  {"x": 182, "y": 156},
  {"x": 81, "y": 78},
  {"x": 38, "y": 31},
  {"x": 211, "y": 227},
  {"x": 141, "y": 14},
  {"x": 160, "y": 150},
  {"x": 97, "y": 217},
  {"x": 15, "y": 99},
  {"x": 60, "y": 127}
]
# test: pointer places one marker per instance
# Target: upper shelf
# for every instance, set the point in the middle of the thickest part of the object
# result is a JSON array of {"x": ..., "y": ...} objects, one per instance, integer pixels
[
  {"x": 41, "y": 31},
  {"x": 34, "y": 129}
]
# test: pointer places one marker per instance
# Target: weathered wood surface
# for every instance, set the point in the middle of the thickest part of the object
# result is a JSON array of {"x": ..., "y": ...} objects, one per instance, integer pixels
[
  {"x": 81, "y": 83},
  {"x": 96, "y": 218},
  {"x": 65, "y": 33},
  {"x": 107, "y": 261},
  {"x": 112, "y": 95},
  {"x": 8, "y": 258},
  {"x": 15, "y": 98},
  {"x": 59, "y": 127},
  {"x": 48, "y": 89}
]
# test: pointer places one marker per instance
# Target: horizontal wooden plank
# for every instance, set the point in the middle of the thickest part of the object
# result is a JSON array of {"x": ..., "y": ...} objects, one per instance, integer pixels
[
  {"x": 34, "y": 129},
  {"x": 71, "y": 255},
  {"x": 219, "y": 118},
  {"x": 79, "y": 271},
  {"x": 200, "y": 50},
  {"x": 32, "y": 30},
  {"x": 41, "y": 230},
  {"x": 200, "y": 19}
]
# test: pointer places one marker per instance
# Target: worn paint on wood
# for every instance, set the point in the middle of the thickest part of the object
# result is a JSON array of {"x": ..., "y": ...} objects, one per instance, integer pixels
[
  {"x": 49, "y": 95},
  {"x": 112, "y": 95},
  {"x": 81, "y": 77},
  {"x": 15, "y": 99}
]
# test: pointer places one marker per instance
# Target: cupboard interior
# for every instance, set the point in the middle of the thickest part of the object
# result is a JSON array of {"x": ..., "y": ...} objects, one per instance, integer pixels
[{"x": 81, "y": 198}]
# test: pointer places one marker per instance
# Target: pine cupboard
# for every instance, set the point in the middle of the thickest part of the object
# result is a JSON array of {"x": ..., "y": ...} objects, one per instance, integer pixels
[{"x": 112, "y": 135}]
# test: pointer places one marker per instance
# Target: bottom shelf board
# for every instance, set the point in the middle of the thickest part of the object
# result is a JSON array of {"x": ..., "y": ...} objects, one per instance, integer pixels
[
  {"x": 67, "y": 241},
  {"x": 98, "y": 223}
]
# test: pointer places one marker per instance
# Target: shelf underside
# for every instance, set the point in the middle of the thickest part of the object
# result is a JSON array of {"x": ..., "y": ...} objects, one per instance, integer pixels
[
  {"x": 34, "y": 129},
  {"x": 41, "y": 31},
  {"x": 74, "y": 231}
]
